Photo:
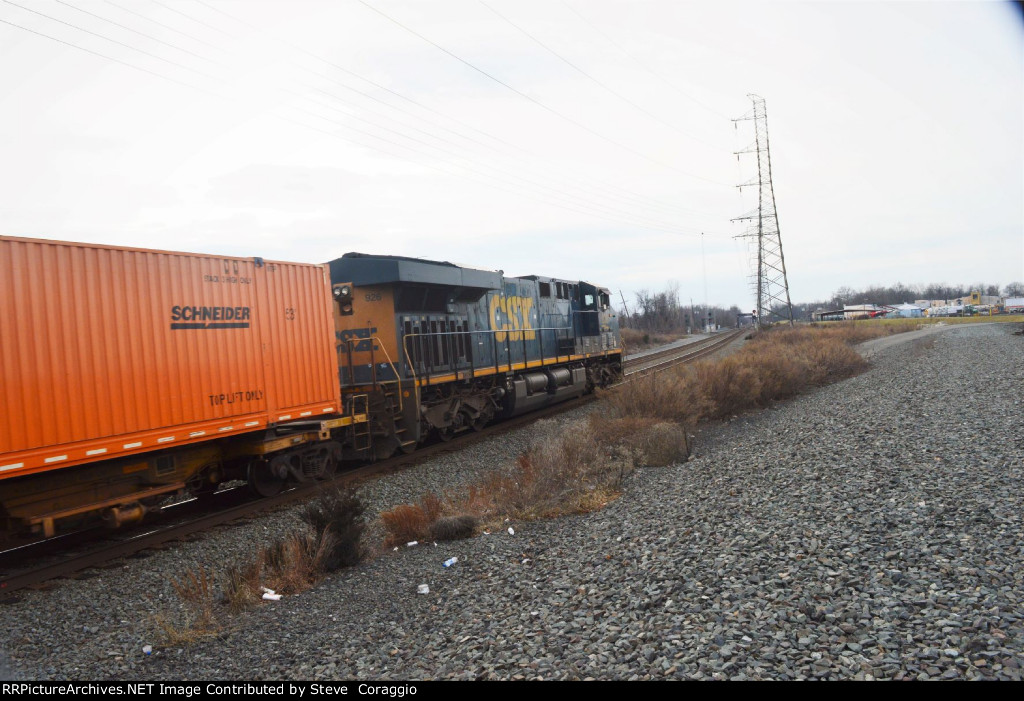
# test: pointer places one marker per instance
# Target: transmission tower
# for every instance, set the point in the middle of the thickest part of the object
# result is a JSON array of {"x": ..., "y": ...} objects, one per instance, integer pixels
[{"x": 771, "y": 287}]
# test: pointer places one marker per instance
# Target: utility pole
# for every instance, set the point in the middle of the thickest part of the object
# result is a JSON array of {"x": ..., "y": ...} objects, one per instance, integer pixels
[
  {"x": 705, "y": 322},
  {"x": 628, "y": 321},
  {"x": 771, "y": 286}
]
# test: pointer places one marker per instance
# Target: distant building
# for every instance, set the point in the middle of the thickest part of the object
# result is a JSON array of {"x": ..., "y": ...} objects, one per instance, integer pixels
[
  {"x": 970, "y": 299},
  {"x": 907, "y": 311},
  {"x": 862, "y": 311}
]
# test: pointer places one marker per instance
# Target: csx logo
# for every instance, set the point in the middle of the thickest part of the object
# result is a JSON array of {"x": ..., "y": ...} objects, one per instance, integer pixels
[
  {"x": 509, "y": 315},
  {"x": 358, "y": 339}
]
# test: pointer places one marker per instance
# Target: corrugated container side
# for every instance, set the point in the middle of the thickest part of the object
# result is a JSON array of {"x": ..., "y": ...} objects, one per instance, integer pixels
[
  {"x": 300, "y": 340},
  {"x": 104, "y": 348}
]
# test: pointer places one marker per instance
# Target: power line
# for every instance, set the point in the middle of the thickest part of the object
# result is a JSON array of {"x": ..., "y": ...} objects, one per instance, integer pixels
[
  {"x": 613, "y": 191},
  {"x": 104, "y": 56},
  {"x": 105, "y": 38},
  {"x": 161, "y": 24},
  {"x": 537, "y": 102},
  {"x": 136, "y": 31},
  {"x": 574, "y": 201},
  {"x": 597, "y": 82},
  {"x": 508, "y": 173},
  {"x": 585, "y": 207},
  {"x": 210, "y": 26},
  {"x": 643, "y": 65},
  {"x": 638, "y": 221},
  {"x": 346, "y": 71}
]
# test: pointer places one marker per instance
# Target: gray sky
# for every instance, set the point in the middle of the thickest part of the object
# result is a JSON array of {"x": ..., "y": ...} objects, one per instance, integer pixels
[{"x": 584, "y": 139}]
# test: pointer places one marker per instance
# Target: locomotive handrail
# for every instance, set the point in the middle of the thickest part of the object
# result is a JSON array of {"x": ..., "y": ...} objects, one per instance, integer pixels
[
  {"x": 394, "y": 369},
  {"x": 508, "y": 347},
  {"x": 391, "y": 363}
]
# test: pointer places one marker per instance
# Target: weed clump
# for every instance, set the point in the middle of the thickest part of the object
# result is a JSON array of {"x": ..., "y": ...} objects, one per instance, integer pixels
[
  {"x": 336, "y": 520},
  {"x": 331, "y": 539}
]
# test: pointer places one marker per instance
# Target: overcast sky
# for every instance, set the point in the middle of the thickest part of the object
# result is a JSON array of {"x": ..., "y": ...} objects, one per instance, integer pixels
[{"x": 585, "y": 139}]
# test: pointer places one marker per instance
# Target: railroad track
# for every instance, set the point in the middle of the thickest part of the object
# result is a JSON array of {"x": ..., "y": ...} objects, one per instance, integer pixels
[
  {"x": 20, "y": 568},
  {"x": 670, "y": 357}
]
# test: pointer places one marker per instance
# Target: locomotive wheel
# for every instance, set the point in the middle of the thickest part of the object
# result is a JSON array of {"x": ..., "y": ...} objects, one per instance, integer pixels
[
  {"x": 446, "y": 434},
  {"x": 262, "y": 479},
  {"x": 481, "y": 420}
]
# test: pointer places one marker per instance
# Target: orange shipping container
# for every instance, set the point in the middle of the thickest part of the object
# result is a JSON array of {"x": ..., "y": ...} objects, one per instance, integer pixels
[{"x": 106, "y": 351}]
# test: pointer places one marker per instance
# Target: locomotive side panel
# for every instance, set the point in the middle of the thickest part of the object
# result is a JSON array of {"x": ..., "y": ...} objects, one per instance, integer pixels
[{"x": 364, "y": 333}]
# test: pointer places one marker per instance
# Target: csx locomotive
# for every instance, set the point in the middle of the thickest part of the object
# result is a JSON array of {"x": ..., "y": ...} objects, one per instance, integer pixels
[{"x": 130, "y": 375}]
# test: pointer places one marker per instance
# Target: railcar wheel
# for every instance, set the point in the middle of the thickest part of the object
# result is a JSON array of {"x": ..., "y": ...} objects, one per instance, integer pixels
[
  {"x": 264, "y": 479},
  {"x": 330, "y": 464}
]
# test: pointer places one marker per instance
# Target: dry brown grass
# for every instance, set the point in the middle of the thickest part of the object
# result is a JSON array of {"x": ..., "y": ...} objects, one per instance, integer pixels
[
  {"x": 182, "y": 635},
  {"x": 195, "y": 589},
  {"x": 670, "y": 396},
  {"x": 290, "y": 565},
  {"x": 568, "y": 473},
  {"x": 405, "y": 523},
  {"x": 242, "y": 584},
  {"x": 649, "y": 441},
  {"x": 634, "y": 340},
  {"x": 777, "y": 364},
  {"x": 848, "y": 331}
]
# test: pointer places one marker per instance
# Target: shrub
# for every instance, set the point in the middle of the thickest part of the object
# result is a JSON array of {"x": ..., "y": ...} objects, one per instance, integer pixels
[
  {"x": 780, "y": 375},
  {"x": 727, "y": 386},
  {"x": 648, "y": 441},
  {"x": 662, "y": 444},
  {"x": 670, "y": 396},
  {"x": 454, "y": 527},
  {"x": 336, "y": 520}
]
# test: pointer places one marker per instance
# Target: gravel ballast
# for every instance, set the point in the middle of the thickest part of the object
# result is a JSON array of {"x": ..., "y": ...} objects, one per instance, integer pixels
[{"x": 870, "y": 529}]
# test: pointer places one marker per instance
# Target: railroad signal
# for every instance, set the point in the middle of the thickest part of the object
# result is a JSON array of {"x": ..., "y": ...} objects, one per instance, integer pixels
[{"x": 343, "y": 296}]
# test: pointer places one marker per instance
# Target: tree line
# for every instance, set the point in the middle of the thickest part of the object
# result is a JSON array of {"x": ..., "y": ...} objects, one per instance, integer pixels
[
  {"x": 666, "y": 311},
  {"x": 900, "y": 293}
]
